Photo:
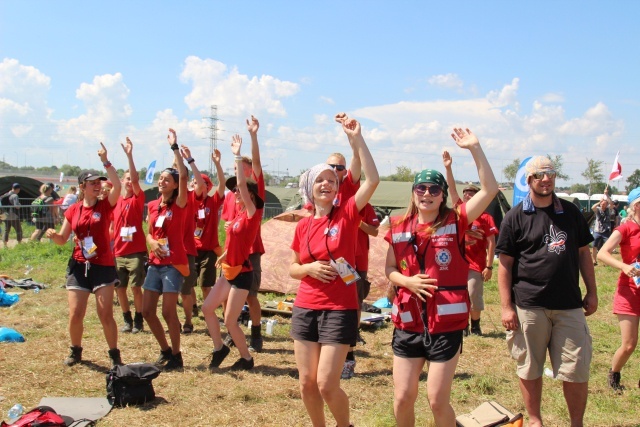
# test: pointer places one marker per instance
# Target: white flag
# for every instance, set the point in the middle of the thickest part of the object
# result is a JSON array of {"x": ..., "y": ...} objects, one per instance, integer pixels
[
  {"x": 61, "y": 176},
  {"x": 616, "y": 170}
]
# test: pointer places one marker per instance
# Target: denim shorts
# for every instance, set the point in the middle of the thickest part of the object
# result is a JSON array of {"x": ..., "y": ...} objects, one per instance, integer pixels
[{"x": 163, "y": 278}]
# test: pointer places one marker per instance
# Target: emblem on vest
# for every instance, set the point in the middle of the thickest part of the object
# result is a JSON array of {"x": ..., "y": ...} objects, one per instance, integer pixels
[
  {"x": 443, "y": 258},
  {"x": 403, "y": 264},
  {"x": 555, "y": 240},
  {"x": 96, "y": 216}
]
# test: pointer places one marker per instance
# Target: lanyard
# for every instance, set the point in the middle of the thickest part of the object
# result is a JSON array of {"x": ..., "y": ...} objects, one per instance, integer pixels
[
  {"x": 88, "y": 223},
  {"x": 326, "y": 239}
]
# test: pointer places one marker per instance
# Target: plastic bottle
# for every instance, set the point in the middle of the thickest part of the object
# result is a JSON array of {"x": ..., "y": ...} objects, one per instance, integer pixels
[
  {"x": 270, "y": 325},
  {"x": 636, "y": 279},
  {"x": 36, "y": 290},
  {"x": 15, "y": 412}
]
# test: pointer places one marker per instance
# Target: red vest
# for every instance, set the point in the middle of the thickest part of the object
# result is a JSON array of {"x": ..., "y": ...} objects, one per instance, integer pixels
[{"x": 443, "y": 254}]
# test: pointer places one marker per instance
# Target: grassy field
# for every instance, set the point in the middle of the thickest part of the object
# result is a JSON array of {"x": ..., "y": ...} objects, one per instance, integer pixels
[{"x": 269, "y": 395}]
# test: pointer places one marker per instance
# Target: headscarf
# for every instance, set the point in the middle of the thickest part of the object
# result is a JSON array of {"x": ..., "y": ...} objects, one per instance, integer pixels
[{"x": 309, "y": 177}]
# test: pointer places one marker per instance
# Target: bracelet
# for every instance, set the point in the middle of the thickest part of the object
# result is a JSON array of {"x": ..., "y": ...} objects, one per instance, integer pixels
[
  {"x": 190, "y": 160},
  {"x": 175, "y": 146},
  {"x": 489, "y": 267},
  {"x": 107, "y": 164},
  {"x": 238, "y": 158}
]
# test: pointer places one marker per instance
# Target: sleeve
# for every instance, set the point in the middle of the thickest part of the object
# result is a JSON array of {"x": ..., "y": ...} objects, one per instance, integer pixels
[
  {"x": 295, "y": 245},
  {"x": 506, "y": 243},
  {"x": 370, "y": 216},
  {"x": 491, "y": 226},
  {"x": 217, "y": 200},
  {"x": 387, "y": 236}
]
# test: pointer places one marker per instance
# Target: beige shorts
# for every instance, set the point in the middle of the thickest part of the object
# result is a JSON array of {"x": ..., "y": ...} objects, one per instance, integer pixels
[
  {"x": 130, "y": 269},
  {"x": 476, "y": 290},
  {"x": 564, "y": 333}
]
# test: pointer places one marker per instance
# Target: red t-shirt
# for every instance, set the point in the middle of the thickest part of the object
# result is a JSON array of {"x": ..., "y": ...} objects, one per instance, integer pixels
[
  {"x": 128, "y": 213},
  {"x": 313, "y": 236},
  {"x": 240, "y": 234},
  {"x": 206, "y": 231},
  {"x": 347, "y": 188},
  {"x": 230, "y": 210},
  {"x": 190, "y": 225},
  {"x": 172, "y": 229},
  {"x": 368, "y": 215},
  {"x": 476, "y": 241},
  {"x": 92, "y": 221}
]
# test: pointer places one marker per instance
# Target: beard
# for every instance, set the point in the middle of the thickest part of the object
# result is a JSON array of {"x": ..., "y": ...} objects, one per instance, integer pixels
[{"x": 541, "y": 194}]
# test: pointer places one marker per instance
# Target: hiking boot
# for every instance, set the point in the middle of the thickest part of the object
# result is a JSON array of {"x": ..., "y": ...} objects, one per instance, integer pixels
[
  {"x": 475, "y": 328},
  {"x": 128, "y": 322},
  {"x": 360, "y": 339},
  {"x": 165, "y": 356},
  {"x": 255, "y": 344},
  {"x": 348, "y": 370},
  {"x": 242, "y": 364},
  {"x": 114, "y": 355},
  {"x": 217, "y": 357},
  {"x": 228, "y": 341},
  {"x": 465, "y": 332},
  {"x": 75, "y": 356},
  {"x": 138, "y": 323},
  {"x": 614, "y": 381},
  {"x": 175, "y": 362}
]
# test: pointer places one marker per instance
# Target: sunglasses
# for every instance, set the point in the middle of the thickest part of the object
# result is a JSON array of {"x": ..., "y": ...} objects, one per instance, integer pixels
[
  {"x": 541, "y": 174},
  {"x": 339, "y": 168},
  {"x": 235, "y": 190},
  {"x": 433, "y": 190}
]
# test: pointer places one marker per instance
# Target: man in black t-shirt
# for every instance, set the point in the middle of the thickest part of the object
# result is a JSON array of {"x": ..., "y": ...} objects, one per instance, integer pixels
[{"x": 543, "y": 247}]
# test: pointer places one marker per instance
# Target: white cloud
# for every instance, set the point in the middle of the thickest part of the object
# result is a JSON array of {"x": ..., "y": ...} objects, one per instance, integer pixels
[
  {"x": 327, "y": 100},
  {"x": 555, "y": 98},
  {"x": 236, "y": 94},
  {"x": 447, "y": 81}
]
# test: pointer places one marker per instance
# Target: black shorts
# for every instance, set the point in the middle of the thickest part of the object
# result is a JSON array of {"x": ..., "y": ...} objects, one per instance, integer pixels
[
  {"x": 97, "y": 276},
  {"x": 325, "y": 326},
  {"x": 364, "y": 286},
  {"x": 410, "y": 345},
  {"x": 192, "y": 278},
  {"x": 242, "y": 281},
  {"x": 254, "y": 259}
]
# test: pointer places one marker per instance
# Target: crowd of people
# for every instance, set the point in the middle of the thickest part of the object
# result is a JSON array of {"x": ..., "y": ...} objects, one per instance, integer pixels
[{"x": 440, "y": 253}]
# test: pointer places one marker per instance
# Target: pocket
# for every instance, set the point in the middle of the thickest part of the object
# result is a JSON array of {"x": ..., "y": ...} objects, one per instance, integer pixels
[
  {"x": 231, "y": 272},
  {"x": 517, "y": 345},
  {"x": 406, "y": 312},
  {"x": 448, "y": 309}
]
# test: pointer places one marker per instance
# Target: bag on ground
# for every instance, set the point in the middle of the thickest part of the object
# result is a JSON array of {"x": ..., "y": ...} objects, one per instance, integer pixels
[
  {"x": 490, "y": 414},
  {"x": 39, "y": 417},
  {"x": 131, "y": 384}
]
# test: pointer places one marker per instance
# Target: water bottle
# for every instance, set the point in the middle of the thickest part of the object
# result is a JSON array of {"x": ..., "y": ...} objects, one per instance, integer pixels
[
  {"x": 36, "y": 290},
  {"x": 15, "y": 412},
  {"x": 636, "y": 279},
  {"x": 270, "y": 325}
]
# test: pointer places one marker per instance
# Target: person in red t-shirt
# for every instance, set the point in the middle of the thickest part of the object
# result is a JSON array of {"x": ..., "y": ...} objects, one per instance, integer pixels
[
  {"x": 425, "y": 257},
  {"x": 480, "y": 247},
  {"x": 324, "y": 322},
  {"x": 129, "y": 245},
  {"x": 91, "y": 268},
  {"x": 233, "y": 286},
  {"x": 168, "y": 263}
]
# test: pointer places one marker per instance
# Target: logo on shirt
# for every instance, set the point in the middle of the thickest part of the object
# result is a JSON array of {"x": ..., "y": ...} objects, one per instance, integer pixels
[
  {"x": 443, "y": 258},
  {"x": 96, "y": 216},
  {"x": 207, "y": 211},
  {"x": 403, "y": 264},
  {"x": 333, "y": 232},
  {"x": 168, "y": 214},
  {"x": 555, "y": 240}
]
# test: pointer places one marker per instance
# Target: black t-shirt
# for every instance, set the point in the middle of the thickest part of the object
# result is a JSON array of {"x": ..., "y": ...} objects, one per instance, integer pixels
[{"x": 545, "y": 247}]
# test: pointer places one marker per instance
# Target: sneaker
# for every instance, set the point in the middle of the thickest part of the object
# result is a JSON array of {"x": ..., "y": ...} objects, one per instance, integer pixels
[
  {"x": 242, "y": 364},
  {"x": 164, "y": 358},
  {"x": 614, "y": 381},
  {"x": 475, "y": 328},
  {"x": 138, "y": 323},
  {"x": 255, "y": 345},
  {"x": 175, "y": 362},
  {"x": 348, "y": 370},
  {"x": 75, "y": 356},
  {"x": 217, "y": 357},
  {"x": 228, "y": 341},
  {"x": 128, "y": 322},
  {"x": 114, "y": 355},
  {"x": 187, "y": 329}
]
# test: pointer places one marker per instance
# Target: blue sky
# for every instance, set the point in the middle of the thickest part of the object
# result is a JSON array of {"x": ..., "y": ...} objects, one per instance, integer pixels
[{"x": 527, "y": 77}]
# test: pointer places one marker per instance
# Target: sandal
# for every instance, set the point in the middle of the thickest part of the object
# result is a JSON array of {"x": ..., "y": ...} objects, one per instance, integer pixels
[
  {"x": 595, "y": 263},
  {"x": 187, "y": 329}
]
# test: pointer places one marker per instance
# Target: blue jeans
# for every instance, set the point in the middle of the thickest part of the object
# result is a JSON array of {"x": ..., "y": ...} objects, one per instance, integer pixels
[{"x": 163, "y": 278}]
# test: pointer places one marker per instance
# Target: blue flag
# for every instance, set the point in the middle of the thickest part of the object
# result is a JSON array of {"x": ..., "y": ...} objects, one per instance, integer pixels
[
  {"x": 150, "y": 171},
  {"x": 520, "y": 186}
]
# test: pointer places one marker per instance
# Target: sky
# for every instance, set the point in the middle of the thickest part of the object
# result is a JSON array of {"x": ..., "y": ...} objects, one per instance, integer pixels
[{"x": 528, "y": 78}]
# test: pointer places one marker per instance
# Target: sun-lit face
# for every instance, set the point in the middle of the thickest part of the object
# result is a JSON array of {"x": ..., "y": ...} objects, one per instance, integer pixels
[
  {"x": 92, "y": 188},
  {"x": 325, "y": 187},
  {"x": 341, "y": 164},
  {"x": 544, "y": 185},
  {"x": 105, "y": 188},
  {"x": 424, "y": 200},
  {"x": 166, "y": 183},
  {"x": 467, "y": 195}
]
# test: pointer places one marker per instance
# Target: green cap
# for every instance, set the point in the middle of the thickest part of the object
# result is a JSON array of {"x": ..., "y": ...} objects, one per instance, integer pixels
[{"x": 432, "y": 176}]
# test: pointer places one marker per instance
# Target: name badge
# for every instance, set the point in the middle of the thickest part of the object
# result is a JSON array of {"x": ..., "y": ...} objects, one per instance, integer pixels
[
  {"x": 89, "y": 249},
  {"x": 346, "y": 272},
  {"x": 160, "y": 221},
  {"x": 200, "y": 213}
]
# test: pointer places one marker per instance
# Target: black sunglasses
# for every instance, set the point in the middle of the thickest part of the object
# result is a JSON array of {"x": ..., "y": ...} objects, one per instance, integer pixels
[
  {"x": 540, "y": 174},
  {"x": 434, "y": 190},
  {"x": 338, "y": 167}
]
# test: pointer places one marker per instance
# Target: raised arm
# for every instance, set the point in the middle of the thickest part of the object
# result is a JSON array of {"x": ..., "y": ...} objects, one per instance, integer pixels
[
  {"x": 447, "y": 162},
  {"x": 236, "y": 145},
  {"x": 216, "y": 157},
  {"x": 256, "y": 163},
  {"x": 355, "y": 166},
  {"x": 354, "y": 132},
  {"x": 112, "y": 174},
  {"x": 489, "y": 186},
  {"x": 200, "y": 186},
  {"x": 172, "y": 139},
  {"x": 133, "y": 172}
]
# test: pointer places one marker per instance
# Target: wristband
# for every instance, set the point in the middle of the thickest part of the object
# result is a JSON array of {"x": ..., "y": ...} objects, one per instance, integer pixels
[
  {"x": 190, "y": 160},
  {"x": 489, "y": 268},
  {"x": 175, "y": 146},
  {"x": 107, "y": 164},
  {"x": 238, "y": 158}
]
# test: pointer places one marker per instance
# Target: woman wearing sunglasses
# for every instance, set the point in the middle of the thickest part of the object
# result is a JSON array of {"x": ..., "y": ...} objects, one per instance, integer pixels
[
  {"x": 325, "y": 314},
  {"x": 426, "y": 263},
  {"x": 234, "y": 284},
  {"x": 168, "y": 264}
]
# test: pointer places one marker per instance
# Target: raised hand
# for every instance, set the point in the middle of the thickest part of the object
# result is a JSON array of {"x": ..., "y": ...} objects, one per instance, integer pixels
[
  {"x": 464, "y": 138},
  {"x": 172, "y": 138},
  {"x": 127, "y": 147},
  {"x": 236, "y": 144},
  {"x": 102, "y": 153},
  {"x": 446, "y": 159},
  {"x": 253, "y": 125},
  {"x": 186, "y": 153},
  {"x": 350, "y": 126},
  {"x": 216, "y": 156}
]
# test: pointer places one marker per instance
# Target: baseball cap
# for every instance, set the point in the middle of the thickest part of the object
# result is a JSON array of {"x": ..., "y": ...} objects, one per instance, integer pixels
[
  {"x": 15, "y": 185},
  {"x": 251, "y": 185},
  {"x": 207, "y": 181},
  {"x": 431, "y": 176},
  {"x": 634, "y": 195},
  {"x": 90, "y": 176}
]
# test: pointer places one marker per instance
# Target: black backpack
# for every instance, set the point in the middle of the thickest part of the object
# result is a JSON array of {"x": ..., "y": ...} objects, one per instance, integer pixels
[
  {"x": 131, "y": 384},
  {"x": 4, "y": 199}
]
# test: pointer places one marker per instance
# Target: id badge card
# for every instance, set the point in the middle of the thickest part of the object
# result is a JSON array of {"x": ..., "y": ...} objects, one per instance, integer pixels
[
  {"x": 200, "y": 213},
  {"x": 197, "y": 233},
  {"x": 127, "y": 233},
  {"x": 164, "y": 244},
  {"x": 346, "y": 272},
  {"x": 89, "y": 249},
  {"x": 160, "y": 221}
]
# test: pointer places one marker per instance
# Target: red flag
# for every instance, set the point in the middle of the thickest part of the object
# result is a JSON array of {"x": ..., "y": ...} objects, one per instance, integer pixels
[{"x": 616, "y": 170}]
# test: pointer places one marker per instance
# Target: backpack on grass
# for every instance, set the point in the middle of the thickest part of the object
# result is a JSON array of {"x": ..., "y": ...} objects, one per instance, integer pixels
[
  {"x": 40, "y": 417},
  {"x": 131, "y": 384}
]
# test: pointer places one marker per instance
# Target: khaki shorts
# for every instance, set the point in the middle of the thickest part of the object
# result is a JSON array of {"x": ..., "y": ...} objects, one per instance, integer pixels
[
  {"x": 476, "y": 290},
  {"x": 190, "y": 280},
  {"x": 130, "y": 269},
  {"x": 563, "y": 332},
  {"x": 206, "y": 267},
  {"x": 257, "y": 273}
]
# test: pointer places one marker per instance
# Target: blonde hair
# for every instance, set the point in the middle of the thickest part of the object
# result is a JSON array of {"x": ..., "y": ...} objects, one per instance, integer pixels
[
  {"x": 72, "y": 190},
  {"x": 338, "y": 155},
  {"x": 44, "y": 188}
]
